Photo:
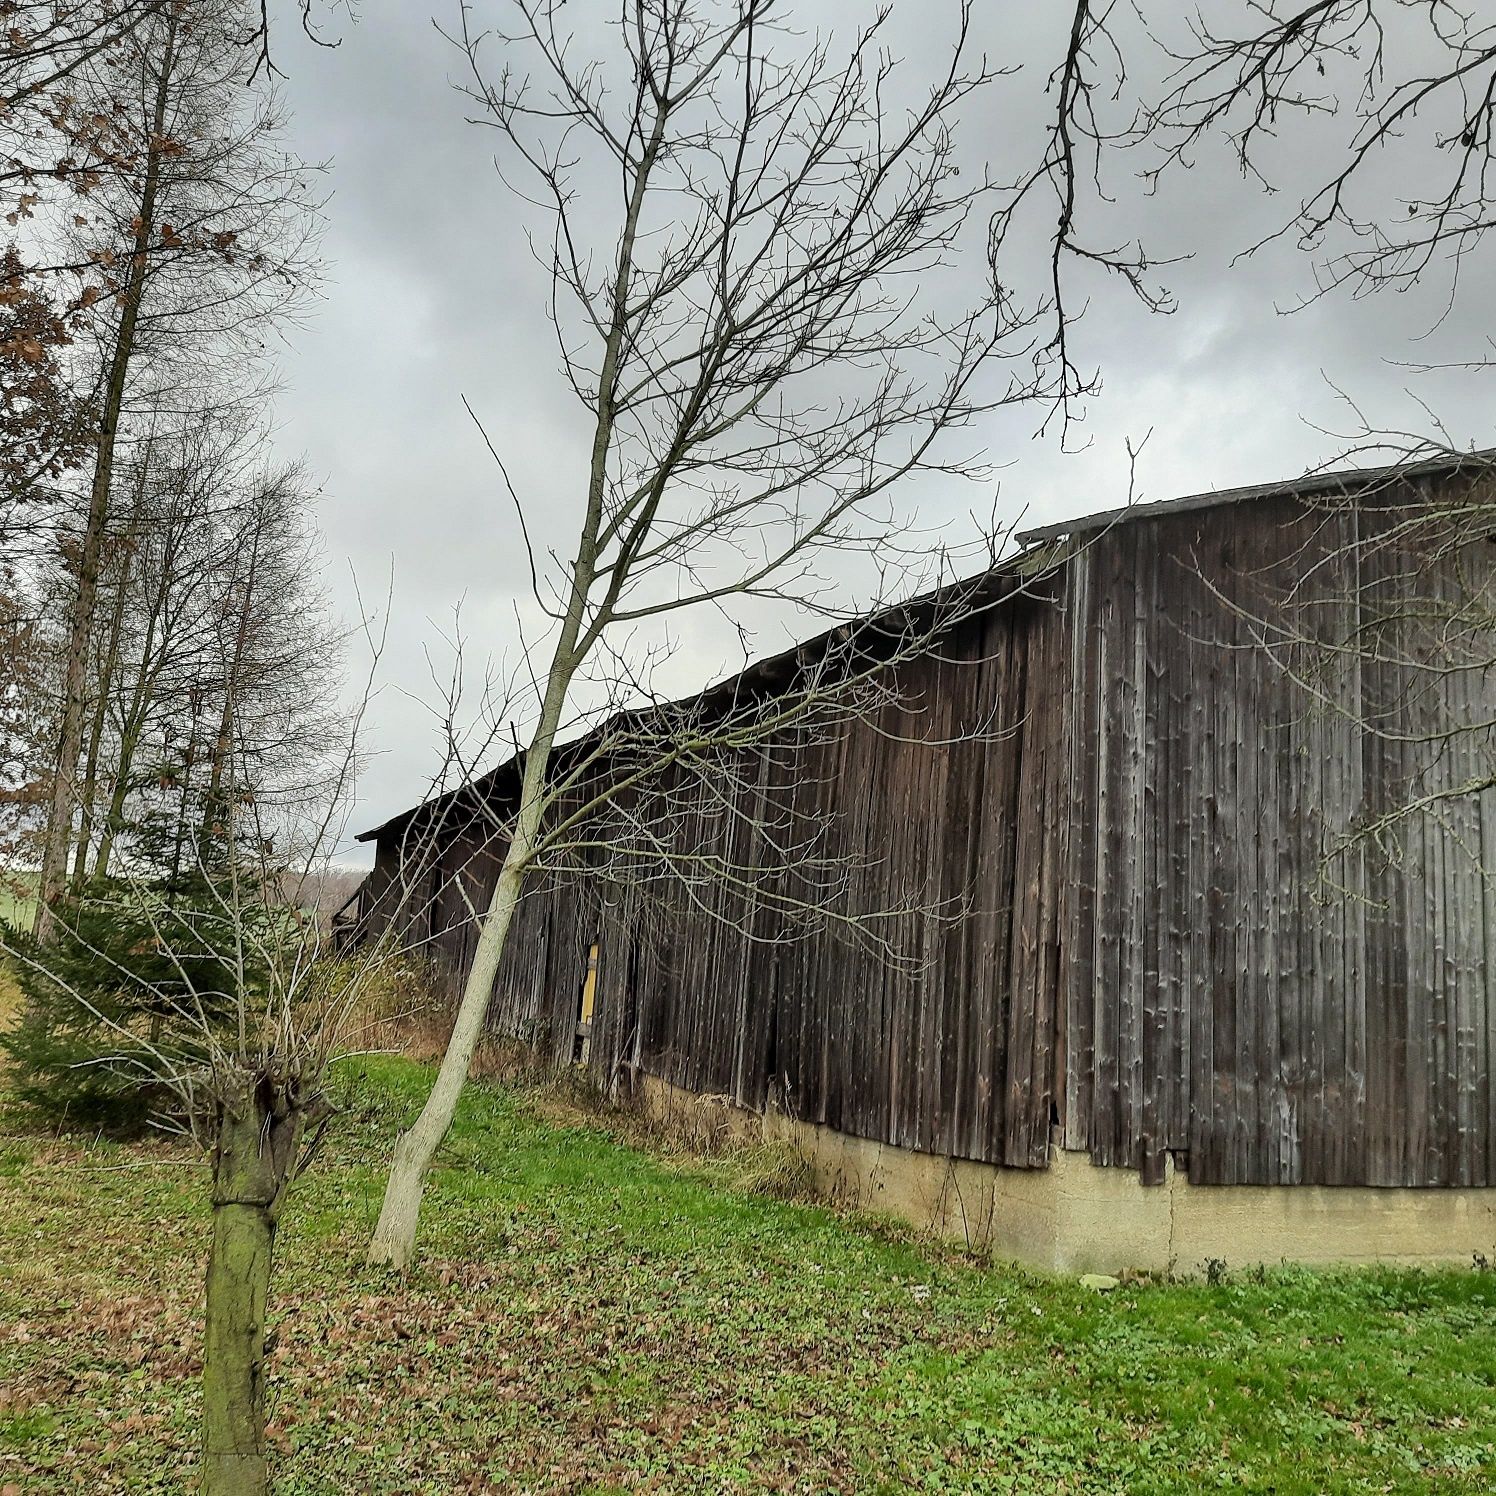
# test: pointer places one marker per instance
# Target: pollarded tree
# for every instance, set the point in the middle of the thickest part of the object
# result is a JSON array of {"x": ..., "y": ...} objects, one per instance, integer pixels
[
  {"x": 776, "y": 298},
  {"x": 204, "y": 999}
]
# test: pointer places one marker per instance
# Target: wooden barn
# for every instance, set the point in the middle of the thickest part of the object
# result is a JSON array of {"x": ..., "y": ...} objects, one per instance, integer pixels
[{"x": 1215, "y": 990}]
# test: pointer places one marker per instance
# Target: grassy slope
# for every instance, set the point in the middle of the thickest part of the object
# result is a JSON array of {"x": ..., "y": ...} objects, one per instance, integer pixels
[{"x": 587, "y": 1319}]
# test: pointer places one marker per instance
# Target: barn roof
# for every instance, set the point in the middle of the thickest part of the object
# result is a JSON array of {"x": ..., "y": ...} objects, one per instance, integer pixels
[
  {"x": 1010, "y": 578},
  {"x": 1311, "y": 485},
  {"x": 1010, "y": 573}
]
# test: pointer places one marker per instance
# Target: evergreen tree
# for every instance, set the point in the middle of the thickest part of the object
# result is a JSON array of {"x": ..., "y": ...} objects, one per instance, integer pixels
[{"x": 141, "y": 969}]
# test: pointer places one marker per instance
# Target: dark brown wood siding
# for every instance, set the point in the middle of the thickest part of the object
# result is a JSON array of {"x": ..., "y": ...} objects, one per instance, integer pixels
[
  {"x": 1236, "y": 993},
  {"x": 1156, "y": 954},
  {"x": 955, "y": 799}
]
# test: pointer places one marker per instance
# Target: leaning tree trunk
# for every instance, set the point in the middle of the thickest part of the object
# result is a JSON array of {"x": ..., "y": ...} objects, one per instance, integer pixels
[
  {"x": 259, "y": 1133},
  {"x": 394, "y": 1242}
]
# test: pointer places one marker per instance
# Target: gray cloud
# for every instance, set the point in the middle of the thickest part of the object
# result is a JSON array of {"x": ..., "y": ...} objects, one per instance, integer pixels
[{"x": 433, "y": 295}]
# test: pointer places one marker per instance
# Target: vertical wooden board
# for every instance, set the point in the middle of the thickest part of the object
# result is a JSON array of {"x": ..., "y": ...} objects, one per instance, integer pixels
[
  {"x": 1469, "y": 696},
  {"x": 947, "y": 981},
  {"x": 1206, "y": 665},
  {"x": 1282, "y": 855},
  {"x": 1291, "y": 962},
  {"x": 1028, "y": 749},
  {"x": 1158, "y": 982},
  {"x": 839, "y": 978},
  {"x": 1269, "y": 1123},
  {"x": 1043, "y": 1109},
  {"x": 1487, "y": 986},
  {"x": 1211, "y": 1146},
  {"x": 1126, "y": 898},
  {"x": 1048, "y": 696},
  {"x": 961, "y": 998},
  {"x": 1146, "y": 1002},
  {"x": 1183, "y": 789},
  {"x": 981, "y": 934},
  {"x": 749, "y": 1063},
  {"x": 1079, "y": 915},
  {"x": 1337, "y": 913},
  {"x": 1477, "y": 922},
  {"x": 1389, "y": 1003},
  {"x": 1064, "y": 830},
  {"x": 1005, "y": 778},
  {"x": 1349, "y": 1051},
  {"x": 960, "y": 974},
  {"x": 904, "y": 1025},
  {"x": 1108, "y": 906}
]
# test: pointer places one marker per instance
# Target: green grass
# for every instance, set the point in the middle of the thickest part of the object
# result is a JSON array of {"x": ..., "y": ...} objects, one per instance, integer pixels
[
  {"x": 17, "y": 897},
  {"x": 587, "y": 1318}
]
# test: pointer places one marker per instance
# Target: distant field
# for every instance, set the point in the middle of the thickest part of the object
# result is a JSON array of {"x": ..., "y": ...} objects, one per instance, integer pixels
[{"x": 16, "y": 907}]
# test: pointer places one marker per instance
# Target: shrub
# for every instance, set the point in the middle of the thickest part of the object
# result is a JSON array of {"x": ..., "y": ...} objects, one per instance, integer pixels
[{"x": 127, "y": 991}]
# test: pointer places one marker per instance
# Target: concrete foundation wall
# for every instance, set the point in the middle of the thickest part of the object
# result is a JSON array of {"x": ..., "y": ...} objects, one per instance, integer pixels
[{"x": 1077, "y": 1217}]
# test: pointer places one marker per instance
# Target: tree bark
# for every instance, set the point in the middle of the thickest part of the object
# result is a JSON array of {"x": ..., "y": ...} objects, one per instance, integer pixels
[
  {"x": 107, "y": 667},
  {"x": 223, "y": 742},
  {"x": 81, "y": 615},
  {"x": 133, "y": 720},
  {"x": 255, "y": 1155},
  {"x": 114, "y": 818}
]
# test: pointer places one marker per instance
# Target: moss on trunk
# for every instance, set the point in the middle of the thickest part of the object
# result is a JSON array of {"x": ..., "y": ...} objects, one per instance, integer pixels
[
  {"x": 259, "y": 1132},
  {"x": 234, "y": 1351}
]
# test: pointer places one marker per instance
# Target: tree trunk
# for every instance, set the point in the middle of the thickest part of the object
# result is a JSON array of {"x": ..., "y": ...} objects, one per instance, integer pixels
[
  {"x": 234, "y": 1352},
  {"x": 132, "y": 728},
  {"x": 214, "y": 816},
  {"x": 114, "y": 817},
  {"x": 81, "y": 615},
  {"x": 258, "y": 1138},
  {"x": 107, "y": 668},
  {"x": 394, "y": 1242}
]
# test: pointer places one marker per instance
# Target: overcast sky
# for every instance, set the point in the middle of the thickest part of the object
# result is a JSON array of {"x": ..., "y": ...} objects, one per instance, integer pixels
[{"x": 432, "y": 296}]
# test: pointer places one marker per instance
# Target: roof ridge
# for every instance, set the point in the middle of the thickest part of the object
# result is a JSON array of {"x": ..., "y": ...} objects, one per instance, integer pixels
[{"x": 1308, "y": 483}]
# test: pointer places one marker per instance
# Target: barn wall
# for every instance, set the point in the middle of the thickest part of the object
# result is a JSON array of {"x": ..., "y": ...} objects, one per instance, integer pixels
[
  {"x": 1131, "y": 798},
  {"x": 948, "y": 810},
  {"x": 1265, "y": 1014}
]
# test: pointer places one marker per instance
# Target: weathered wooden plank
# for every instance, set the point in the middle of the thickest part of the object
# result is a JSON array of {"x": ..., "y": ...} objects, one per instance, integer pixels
[{"x": 1149, "y": 954}]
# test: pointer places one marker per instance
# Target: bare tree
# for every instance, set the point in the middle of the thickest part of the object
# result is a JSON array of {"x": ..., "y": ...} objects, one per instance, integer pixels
[
  {"x": 27, "y": 726},
  {"x": 202, "y": 230},
  {"x": 48, "y": 44},
  {"x": 253, "y": 1014},
  {"x": 1399, "y": 102},
  {"x": 751, "y": 245},
  {"x": 1389, "y": 107},
  {"x": 216, "y": 658}
]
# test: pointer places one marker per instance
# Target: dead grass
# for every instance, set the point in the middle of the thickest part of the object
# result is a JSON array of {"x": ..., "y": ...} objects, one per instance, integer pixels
[
  {"x": 700, "y": 1133},
  {"x": 10, "y": 995}
]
